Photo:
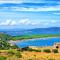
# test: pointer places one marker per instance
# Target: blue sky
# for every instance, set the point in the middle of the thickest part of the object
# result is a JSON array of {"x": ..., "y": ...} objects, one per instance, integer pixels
[{"x": 28, "y": 14}]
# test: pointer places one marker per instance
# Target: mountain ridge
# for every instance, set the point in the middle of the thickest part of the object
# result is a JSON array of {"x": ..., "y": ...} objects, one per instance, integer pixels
[{"x": 50, "y": 30}]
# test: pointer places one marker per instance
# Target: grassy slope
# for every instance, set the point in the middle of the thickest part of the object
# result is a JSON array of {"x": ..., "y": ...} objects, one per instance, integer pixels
[{"x": 5, "y": 36}]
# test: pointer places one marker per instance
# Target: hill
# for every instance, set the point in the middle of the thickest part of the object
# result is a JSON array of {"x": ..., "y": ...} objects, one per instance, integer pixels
[
  {"x": 5, "y": 36},
  {"x": 19, "y": 32}
]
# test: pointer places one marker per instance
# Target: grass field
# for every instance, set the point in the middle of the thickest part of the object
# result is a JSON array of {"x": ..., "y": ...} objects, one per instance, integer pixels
[{"x": 13, "y": 54}]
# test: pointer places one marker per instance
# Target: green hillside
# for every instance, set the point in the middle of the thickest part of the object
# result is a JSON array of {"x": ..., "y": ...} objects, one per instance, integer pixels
[
  {"x": 5, "y": 36},
  {"x": 34, "y": 36}
]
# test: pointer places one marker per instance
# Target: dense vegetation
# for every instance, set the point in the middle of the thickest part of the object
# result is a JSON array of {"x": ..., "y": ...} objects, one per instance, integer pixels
[
  {"x": 4, "y": 45},
  {"x": 4, "y": 38}
]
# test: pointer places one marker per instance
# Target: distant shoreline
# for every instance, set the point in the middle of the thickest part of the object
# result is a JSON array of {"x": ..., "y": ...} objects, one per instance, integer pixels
[{"x": 13, "y": 42}]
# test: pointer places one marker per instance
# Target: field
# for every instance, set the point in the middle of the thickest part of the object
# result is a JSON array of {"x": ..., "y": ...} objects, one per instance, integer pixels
[{"x": 27, "y": 55}]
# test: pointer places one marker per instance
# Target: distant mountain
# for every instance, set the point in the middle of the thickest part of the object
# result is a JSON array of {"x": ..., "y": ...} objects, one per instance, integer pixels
[
  {"x": 52, "y": 30},
  {"x": 14, "y": 32},
  {"x": 46, "y": 29}
]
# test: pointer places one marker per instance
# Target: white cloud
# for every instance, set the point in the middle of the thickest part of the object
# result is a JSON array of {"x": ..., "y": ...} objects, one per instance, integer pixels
[
  {"x": 8, "y": 22},
  {"x": 36, "y": 8},
  {"x": 53, "y": 21},
  {"x": 5, "y": 22},
  {"x": 19, "y": 22},
  {"x": 28, "y": 22},
  {"x": 13, "y": 23},
  {"x": 34, "y": 23},
  {"x": 51, "y": 8},
  {"x": 56, "y": 13},
  {"x": 11, "y": 1},
  {"x": 25, "y": 21}
]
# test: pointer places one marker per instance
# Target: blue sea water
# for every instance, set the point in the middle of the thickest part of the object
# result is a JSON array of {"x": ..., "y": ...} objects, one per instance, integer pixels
[{"x": 38, "y": 42}]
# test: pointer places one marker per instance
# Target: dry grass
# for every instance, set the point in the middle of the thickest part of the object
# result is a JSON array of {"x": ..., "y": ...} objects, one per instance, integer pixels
[
  {"x": 31, "y": 55},
  {"x": 41, "y": 55}
]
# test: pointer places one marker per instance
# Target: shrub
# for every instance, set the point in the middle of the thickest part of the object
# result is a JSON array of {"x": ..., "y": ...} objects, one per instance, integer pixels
[
  {"x": 10, "y": 52},
  {"x": 38, "y": 50},
  {"x": 47, "y": 50},
  {"x": 14, "y": 47},
  {"x": 55, "y": 50},
  {"x": 51, "y": 59},
  {"x": 29, "y": 59},
  {"x": 18, "y": 54},
  {"x": 30, "y": 49},
  {"x": 2, "y": 58}
]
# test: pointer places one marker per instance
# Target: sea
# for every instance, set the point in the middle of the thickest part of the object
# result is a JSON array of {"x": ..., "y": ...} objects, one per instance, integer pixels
[{"x": 38, "y": 42}]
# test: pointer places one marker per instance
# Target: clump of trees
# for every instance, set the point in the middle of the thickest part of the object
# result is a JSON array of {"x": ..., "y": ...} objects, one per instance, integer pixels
[{"x": 4, "y": 45}]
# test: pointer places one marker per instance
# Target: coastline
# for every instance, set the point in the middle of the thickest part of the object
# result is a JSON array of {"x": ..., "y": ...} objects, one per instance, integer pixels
[{"x": 11, "y": 41}]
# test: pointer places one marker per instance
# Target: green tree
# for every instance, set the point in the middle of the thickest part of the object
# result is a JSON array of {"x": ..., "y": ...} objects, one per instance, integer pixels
[
  {"x": 2, "y": 58},
  {"x": 18, "y": 54},
  {"x": 47, "y": 50},
  {"x": 55, "y": 50}
]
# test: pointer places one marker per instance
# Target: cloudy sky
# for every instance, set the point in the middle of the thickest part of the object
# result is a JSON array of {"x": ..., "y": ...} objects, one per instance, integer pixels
[{"x": 29, "y": 14}]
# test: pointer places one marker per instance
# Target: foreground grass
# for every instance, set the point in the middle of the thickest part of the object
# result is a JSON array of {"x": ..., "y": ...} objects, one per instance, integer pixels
[{"x": 14, "y": 54}]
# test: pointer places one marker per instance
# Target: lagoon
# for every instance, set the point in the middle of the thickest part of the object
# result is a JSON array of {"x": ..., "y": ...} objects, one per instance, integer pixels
[{"x": 38, "y": 42}]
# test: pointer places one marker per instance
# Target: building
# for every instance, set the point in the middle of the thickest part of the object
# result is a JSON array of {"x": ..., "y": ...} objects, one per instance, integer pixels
[{"x": 57, "y": 45}]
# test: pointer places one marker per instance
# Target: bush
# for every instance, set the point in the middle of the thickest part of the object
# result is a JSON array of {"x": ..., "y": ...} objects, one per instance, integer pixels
[
  {"x": 2, "y": 58},
  {"x": 18, "y": 54},
  {"x": 10, "y": 52},
  {"x": 47, "y": 50},
  {"x": 29, "y": 59},
  {"x": 38, "y": 50},
  {"x": 55, "y": 50},
  {"x": 30, "y": 49},
  {"x": 51, "y": 59},
  {"x": 14, "y": 47}
]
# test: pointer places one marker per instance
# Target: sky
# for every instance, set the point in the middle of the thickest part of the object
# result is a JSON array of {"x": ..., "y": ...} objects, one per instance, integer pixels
[{"x": 29, "y": 14}]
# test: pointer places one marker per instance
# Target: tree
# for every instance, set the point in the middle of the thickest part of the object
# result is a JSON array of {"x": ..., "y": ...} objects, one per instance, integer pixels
[
  {"x": 47, "y": 50},
  {"x": 55, "y": 50}
]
